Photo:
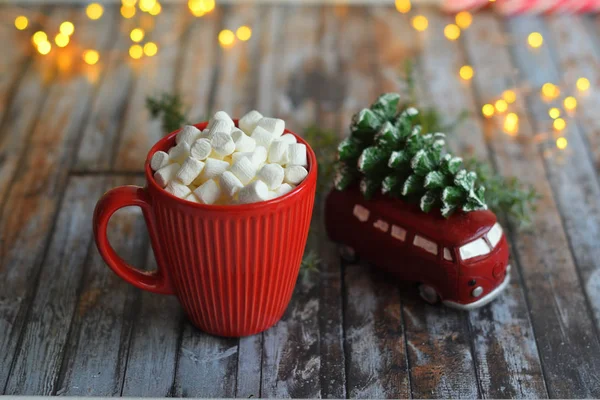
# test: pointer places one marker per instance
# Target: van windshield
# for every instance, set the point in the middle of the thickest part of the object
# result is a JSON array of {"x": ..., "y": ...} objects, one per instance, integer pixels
[
  {"x": 495, "y": 234},
  {"x": 474, "y": 249}
]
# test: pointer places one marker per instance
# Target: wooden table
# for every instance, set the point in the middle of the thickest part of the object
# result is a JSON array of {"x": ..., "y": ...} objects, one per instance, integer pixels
[{"x": 70, "y": 131}]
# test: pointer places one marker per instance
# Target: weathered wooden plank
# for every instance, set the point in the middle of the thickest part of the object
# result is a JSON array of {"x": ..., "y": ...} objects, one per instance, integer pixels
[
  {"x": 30, "y": 208},
  {"x": 560, "y": 317},
  {"x": 96, "y": 353},
  {"x": 504, "y": 349},
  {"x": 156, "y": 75}
]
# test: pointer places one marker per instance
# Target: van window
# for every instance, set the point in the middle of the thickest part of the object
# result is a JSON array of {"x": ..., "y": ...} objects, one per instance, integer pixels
[
  {"x": 495, "y": 234},
  {"x": 398, "y": 233},
  {"x": 381, "y": 225},
  {"x": 425, "y": 244},
  {"x": 361, "y": 213},
  {"x": 476, "y": 248},
  {"x": 447, "y": 254}
]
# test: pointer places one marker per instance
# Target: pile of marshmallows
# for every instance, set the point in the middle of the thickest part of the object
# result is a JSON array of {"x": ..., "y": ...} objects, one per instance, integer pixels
[{"x": 226, "y": 165}]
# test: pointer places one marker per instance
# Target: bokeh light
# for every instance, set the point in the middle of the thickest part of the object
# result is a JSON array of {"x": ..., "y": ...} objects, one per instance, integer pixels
[
  {"x": 511, "y": 124},
  {"x": 150, "y": 49},
  {"x": 61, "y": 40},
  {"x": 488, "y": 110},
  {"x": 146, "y": 5},
  {"x": 562, "y": 143},
  {"x": 244, "y": 33},
  {"x": 136, "y": 52},
  {"x": 550, "y": 90},
  {"x": 535, "y": 39},
  {"x": 226, "y": 38},
  {"x": 91, "y": 57},
  {"x": 44, "y": 47},
  {"x": 21, "y": 22},
  {"x": 137, "y": 35},
  {"x": 570, "y": 103},
  {"x": 129, "y": 3},
  {"x": 452, "y": 32},
  {"x": 501, "y": 105},
  {"x": 156, "y": 9},
  {"x": 403, "y": 6},
  {"x": 559, "y": 124},
  {"x": 464, "y": 19},
  {"x": 420, "y": 23},
  {"x": 583, "y": 84},
  {"x": 127, "y": 11},
  {"x": 208, "y": 5},
  {"x": 554, "y": 113},
  {"x": 510, "y": 96},
  {"x": 196, "y": 7},
  {"x": 39, "y": 37},
  {"x": 466, "y": 72},
  {"x": 67, "y": 28},
  {"x": 94, "y": 11}
]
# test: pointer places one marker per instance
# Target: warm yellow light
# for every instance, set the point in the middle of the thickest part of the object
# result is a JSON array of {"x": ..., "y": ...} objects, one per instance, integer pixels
[
  {"x": 535, "y": 39},
  {"x": 91, "y": 57},
  {"x": 208, "y": 5},
  {"x": 21, "y": 22},
  {"x": 511, "y": 124},
  {"x": 420, "y": 23},
  {"x": 510, "y": 96},
  {"x": 466, "y": 72},
  {"x": 501, "y": 105},
  {"x": 196, "y": 7},
  {"x": 136, "y": 52},
  {"x": 156, "y": 9},
  {"x": 583, "y": 84},
  {"x": 403, "y": 6},
  {"x": 128, "y": 3},
  {"x": 562, "y": 143},
  {"x": 146, "y": 5},
  {"x": 127, "y": 11},
  {"x": 61, "y": 40},
  {"x": 464, "y": 19},
  {"x": 452, "y": 32},
  {"x": 67, "y": 28},
  {"x": 137, "y": 35},
  {"x": 226, "y": 38},
  {"x": 39, "y": 37},
  {"x": 487, "y": 110},
  {"x": 94, "y": 11},
  {"x": 559, "y": 124},
  {"x": 44, "y": 47},
  {"x": 550, "y": 90},
  {"x": 554, "y": 113},
  {"x": 570, "y": 103},
  {"x": 243, "y": 33},
  {"x": 150, "y": 49}
]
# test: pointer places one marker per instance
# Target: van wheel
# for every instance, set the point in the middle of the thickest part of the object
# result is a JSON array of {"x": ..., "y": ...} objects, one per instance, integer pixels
[
  {"x": 347, "y": 253},
  {"x": 428, "y": 293}
]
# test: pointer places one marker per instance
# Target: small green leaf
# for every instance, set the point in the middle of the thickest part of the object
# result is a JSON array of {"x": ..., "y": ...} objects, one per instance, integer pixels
[
  {"x": 447, "y": 210},
  {"x": 454, "y": 164},
  {"x": 422, "y": 163},
  {"x": 365, "y": 124},
  {"x": 372, "y": 160},
  {"x": 391, "y": 185},
  {"x": 350, "y": 149},
  {"x": 412, "y": 185},
  {"x": 388, "y": 137},
  {"x": 452, "y": 195},
  {"x": 386, "y": 105},
  {"x": 429, "y": 200},
  {"x": 435, "y": 180},
  {"x": 369, "y": 186},
  {"x": 344, "y": 176},
  {"x": 465, "y": 180}
]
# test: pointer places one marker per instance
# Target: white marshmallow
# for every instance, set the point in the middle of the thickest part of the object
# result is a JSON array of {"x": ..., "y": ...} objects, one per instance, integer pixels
[
  {"x": 188, "y": 134},
  {"x": 256, "y": 191},
  {"x": 272, "y": 175},
  {"x": 279, "y": 152},
  {"x": 288, "y": 138},
  {"x": 259, "y": 156},
  {"x": 297, "y": 154},
  {"x": 284, "y": 189},
  {"x": 201, "y": 149},
  {"x": 192, "y": 197},
  {"x": 249, "y": 121},
  {"x": 242, "y": 141},
  {"x": 178, "y": 189},
  {"x": 244, "y": 169},
  {"x": 222, "y": 144},
  {"x": 295, "y": 174},
  {"x": 223, "y": 116},
  {"x": 230, "y": 184},
  {"x": 275, "y": 126},
  {"x": 208, "y": 192},
  {"x": 219, "y": 126},
  {"x": 204, "y": 133},
  {"x": 189, "y": 171},
  {"x": 180, "y": 152},
  {"x": 213, "y": 168},
  {"x": 235, "y": 157},
  {"x": 159, "y": 160},
  {"x": 262, "y": 137},
  {"x": 167, "y": 173},
  {"x": 271, "y": 195}
]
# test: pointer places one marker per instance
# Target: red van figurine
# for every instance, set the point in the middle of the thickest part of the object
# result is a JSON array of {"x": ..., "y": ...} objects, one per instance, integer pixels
[{"x": 461, "y": 260}]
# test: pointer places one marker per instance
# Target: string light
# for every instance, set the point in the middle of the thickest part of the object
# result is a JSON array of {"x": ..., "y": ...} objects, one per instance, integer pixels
[
  {"x": 509, "y": 96},
  {"x": 128, "y": 11},
  {"x": 61, "y": 40},
  {"x": 562, "y": 143},
  {"x": 91, "y": 57},
  {"x": 501, "y": 105},
  {"x": 535, "y": 39},
  {"x": 150, "y": 49},
  {"x": 583, "y": 84},
  {"x": 452, "y": 32},
  {"x": 44, "y": 47},
  {"x": 137, "y": 35},
  {"x": 94, "y": 11},
  {"x": 487, "y": 110},
  {"x": 243, "y": 33},
  {"x": 196, "y": 7},
  {"x": 67, "y": 28},
  {"x": 570, "y": 103},
  {"x": 466, "y": 72},
  {"x": 511, "y": 124},
  {"x": 463, "y": 19},
  {"x": 550, "y": 90},
  {"x": 146, "y": 5},
  {"x": 403, "y": 6},
  {"x": 156, "y": 9},
  {"x": 559, "y": 124},
  {"x": 128, "y": 3},
  {"x": 208, "y": 5},
  {"x": 554, "y": 113},
  {"x": 420, "y": 23},
  {"x": 21, "y": 22},
  {"x": 226, "y": 38},
  {"x": 136, "y": 52},
  {"x": 39, "y": 37}
]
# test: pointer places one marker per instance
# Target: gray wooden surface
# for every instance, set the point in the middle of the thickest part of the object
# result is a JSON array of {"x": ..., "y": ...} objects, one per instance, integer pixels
[{"x": 69, "y": 326}]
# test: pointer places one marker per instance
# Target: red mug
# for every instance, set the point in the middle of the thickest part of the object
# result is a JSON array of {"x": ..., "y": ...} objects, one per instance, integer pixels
[{"x": 232, "y": 267}]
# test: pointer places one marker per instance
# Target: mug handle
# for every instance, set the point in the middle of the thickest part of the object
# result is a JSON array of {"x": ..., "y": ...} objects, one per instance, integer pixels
[{"x": 155, "y": 281}]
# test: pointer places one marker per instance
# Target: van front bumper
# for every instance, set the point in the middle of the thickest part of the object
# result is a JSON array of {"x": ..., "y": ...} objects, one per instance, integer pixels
[{"x": 484, "y": 300}]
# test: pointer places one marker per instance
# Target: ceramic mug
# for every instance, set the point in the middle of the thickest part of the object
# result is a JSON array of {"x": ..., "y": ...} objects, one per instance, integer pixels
[{"x": 232, "y": 267}]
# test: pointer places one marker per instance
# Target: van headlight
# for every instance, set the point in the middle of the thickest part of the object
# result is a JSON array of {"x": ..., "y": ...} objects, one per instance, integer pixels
[{"x": 477, "y": 291}]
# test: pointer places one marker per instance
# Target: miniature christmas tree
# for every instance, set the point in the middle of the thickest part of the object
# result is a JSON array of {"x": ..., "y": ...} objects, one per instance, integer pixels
[{"x": 387, "y": 151}]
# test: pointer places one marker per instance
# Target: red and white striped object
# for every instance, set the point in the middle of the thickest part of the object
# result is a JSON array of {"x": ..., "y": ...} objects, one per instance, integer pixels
[{"x": 514, "y": 7}]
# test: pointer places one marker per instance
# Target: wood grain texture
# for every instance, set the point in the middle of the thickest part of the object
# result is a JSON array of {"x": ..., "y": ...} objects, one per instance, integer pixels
[
  {"x": 31, "y": 205},
  {"x": 154, "y": 76},
  {"x": 559, "y": 313},
  {"x": 504, "y": 351}
]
